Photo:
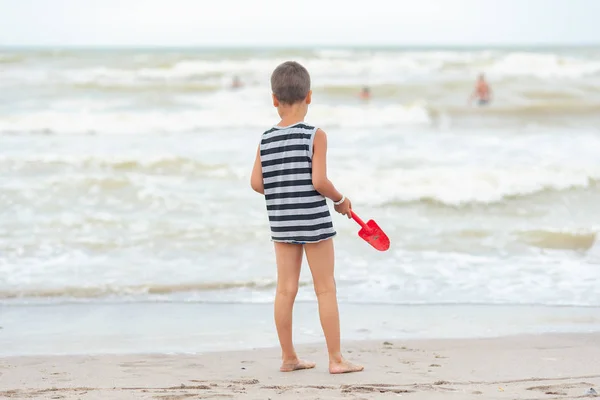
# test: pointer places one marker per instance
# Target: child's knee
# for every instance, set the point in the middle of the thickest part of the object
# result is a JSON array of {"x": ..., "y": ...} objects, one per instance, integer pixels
[
  {"x": 325, "y": 287},
  {"x": 289, "y": 290}
]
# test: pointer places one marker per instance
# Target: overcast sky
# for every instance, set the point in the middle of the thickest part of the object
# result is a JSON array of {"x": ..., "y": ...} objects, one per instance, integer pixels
[{"x": 298, "y": 22}]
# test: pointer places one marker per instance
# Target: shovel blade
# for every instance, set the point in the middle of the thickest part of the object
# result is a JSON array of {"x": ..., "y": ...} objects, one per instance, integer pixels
[{"x": 375, "y": 236}]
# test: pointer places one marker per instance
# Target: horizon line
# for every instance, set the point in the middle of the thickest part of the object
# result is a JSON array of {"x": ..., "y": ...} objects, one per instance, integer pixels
[{"x": 302, "y": 46}]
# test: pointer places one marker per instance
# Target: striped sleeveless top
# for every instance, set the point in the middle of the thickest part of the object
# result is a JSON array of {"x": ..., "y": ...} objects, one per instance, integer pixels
[{"x": 297, "y": 212}]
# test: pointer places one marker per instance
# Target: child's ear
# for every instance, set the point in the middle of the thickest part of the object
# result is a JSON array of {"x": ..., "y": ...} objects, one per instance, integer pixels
[
  {"x": 275, "y": 101},
  {"x": 309, "y": 97}
]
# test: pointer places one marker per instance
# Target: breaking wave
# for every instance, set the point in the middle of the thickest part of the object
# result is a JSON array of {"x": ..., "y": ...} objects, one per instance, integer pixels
[
  {"x": 559, "y": 240},
  {"x": 90, "y": 292}
]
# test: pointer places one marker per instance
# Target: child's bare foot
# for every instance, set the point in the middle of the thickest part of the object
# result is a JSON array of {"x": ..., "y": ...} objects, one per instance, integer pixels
[
  {"x": 343, "y": 367},
  {"x": 289, "y": 366}
]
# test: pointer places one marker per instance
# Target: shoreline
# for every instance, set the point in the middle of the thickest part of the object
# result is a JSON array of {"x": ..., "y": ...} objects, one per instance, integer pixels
[
  {"x": 194, "y": 328},
  {"x": 542, "y": 366},
  {"x": 126, "y": 328}
]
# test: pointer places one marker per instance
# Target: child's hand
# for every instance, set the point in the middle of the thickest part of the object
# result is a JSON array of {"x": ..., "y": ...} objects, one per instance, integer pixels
[{"x": 345, "y": 208}]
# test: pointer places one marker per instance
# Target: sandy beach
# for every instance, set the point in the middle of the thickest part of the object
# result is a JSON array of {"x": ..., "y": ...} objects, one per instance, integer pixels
[{"x": 553, "y": 366}]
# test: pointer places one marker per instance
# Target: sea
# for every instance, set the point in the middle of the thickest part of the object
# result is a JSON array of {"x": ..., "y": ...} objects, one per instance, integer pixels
[{"x": 127, "y": 221}]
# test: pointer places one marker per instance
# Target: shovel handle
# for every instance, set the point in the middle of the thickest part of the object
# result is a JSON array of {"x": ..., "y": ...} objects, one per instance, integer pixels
[{"x": 359, "y": 221}]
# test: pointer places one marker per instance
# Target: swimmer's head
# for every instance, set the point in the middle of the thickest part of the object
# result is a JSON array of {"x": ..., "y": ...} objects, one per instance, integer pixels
[
  {"x": 290, "y": 84},
  {"x": 365, "y": 93}
]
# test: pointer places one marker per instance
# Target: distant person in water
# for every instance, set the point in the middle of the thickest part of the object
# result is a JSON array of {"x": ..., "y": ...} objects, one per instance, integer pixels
[
  {"x": 482, "y": 92},
  {"x": 236, "y": 83},
  {"x": 365, "y": 93}
]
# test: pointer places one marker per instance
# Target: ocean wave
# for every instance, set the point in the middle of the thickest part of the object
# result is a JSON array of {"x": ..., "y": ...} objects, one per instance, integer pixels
[
  {"x": 161, "y": 165},
  {"x": 12, "y": 58},
  {"x": 380, "y": 185},
  {"x": 543, "y": 66},
  {"x": 136, "y": 91},
  {"x": 165, "y": 116},
  {"x": 252, "y": 117},
  {"x": 162, "y": 87},
  {"x": 456, "y": 187},
  {"x": 329, "y": 63},
  {"x": 263, "y": 293},
  {"x": 547, "y": 109},
  {"x": 267, "y": 299},
  {"x": 214, "y": 97},
  {"x": 559, "y": 240},
  {"x": 371, "y": 67},
  {"x": 90, "y": 292}
]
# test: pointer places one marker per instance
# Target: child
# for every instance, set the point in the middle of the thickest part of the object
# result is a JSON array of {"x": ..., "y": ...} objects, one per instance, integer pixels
[{"x": 290, "y": 170}]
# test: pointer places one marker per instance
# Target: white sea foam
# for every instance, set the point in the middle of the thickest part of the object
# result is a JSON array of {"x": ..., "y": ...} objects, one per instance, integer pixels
[
  {"x": 543, "y": 66},
  {"x": 327, "y": 67},
  {"x": 464, "y": 185},
  {"x": 157, "y": 92},
  {"x": 88, "y": 119}
]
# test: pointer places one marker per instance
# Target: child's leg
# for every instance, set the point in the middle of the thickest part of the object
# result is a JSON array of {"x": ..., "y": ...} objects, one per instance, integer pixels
[
  {"x": 321, "y": 261},
  {"x": 289, "y": 261}
]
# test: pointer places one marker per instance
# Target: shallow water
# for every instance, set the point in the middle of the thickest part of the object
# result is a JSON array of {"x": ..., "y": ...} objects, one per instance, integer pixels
[{"x": 122, "y": 328}]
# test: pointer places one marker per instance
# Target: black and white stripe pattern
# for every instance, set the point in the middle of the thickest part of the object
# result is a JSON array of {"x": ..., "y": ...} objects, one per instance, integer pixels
[{"x": 297, "y": 212}]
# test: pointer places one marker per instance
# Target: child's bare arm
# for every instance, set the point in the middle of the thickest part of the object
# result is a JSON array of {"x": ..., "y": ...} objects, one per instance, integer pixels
[
  {"x": 256, "y": 180},
  {"x": 319, "y": 168},
  {"x": 320, "y": 181}
]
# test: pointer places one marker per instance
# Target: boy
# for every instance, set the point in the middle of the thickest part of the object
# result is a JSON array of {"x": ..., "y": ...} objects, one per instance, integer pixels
[{"x": 290, "y": 170}]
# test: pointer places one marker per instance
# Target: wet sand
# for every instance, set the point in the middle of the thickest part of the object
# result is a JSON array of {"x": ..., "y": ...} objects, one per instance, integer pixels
[{"x": 553, "y": 366}]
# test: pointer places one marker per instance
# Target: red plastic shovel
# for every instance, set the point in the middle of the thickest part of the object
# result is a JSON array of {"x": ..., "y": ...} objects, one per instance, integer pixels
[{"x": 372, "y": 233}]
